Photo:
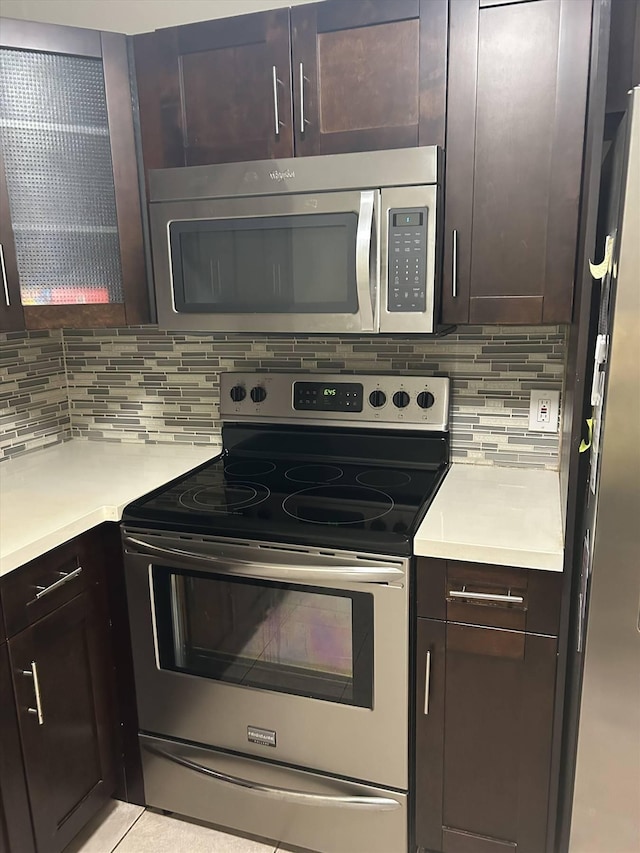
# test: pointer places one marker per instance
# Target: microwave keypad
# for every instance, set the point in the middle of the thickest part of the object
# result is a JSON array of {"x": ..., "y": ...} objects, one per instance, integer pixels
[{"x": 407, "y": 260}]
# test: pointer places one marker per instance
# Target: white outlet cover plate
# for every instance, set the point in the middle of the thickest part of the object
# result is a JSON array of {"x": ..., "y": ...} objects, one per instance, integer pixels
[{"x": 552, "y": 399}]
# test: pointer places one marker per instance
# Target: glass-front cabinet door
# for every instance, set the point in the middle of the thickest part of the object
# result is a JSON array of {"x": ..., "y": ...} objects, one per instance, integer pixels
[
  {"x": 297, "y": 639},
  {"x": 72, "y": 196}
]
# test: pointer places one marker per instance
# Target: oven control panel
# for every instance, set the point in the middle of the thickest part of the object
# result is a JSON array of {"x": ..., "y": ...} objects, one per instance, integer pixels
[
  {"x": 389, "y": 402},
  {"x": 407, "y": 259},
  {"x": 327, "y": 396}
]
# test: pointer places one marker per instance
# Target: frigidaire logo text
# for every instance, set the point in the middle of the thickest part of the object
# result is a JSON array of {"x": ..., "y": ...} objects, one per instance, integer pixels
[{"x": 281, "y": 176}]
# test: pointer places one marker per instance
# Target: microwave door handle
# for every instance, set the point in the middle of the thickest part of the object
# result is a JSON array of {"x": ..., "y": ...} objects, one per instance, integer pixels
[
  {"x": 303, "y": 573},
  {"x": 363, "y": 259}
]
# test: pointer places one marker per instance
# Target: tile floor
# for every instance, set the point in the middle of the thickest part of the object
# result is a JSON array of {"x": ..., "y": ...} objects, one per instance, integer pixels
[{"x": 124, "y": 828}]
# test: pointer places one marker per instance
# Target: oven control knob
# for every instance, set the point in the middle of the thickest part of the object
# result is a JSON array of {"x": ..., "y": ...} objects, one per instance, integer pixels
[
  {"x": 258, "y": 394},
  {"x": 377, "y": 399},
  {"x": 237, "y": 393},
  {"x": 400, "y": 399},
  {"x": 426, "y": 399}
]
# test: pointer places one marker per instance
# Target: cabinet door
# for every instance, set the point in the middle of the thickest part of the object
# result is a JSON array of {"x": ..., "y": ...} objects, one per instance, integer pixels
[
  {"x": 60, "y": 673},
  {"x": 369, "y": 74},
  {"x": 429, "y": 742},
  {"x": 216, "y": 91},
  {"x": 515, "y": 129},
  {"x": 11, "y": 313},
  {"x": 15, "y": 820},
  {"x": 486, "y": 789},
  {"x": 71, "y": 177}
]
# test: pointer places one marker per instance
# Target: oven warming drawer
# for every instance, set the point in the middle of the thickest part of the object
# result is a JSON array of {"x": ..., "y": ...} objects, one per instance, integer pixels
[{"x": 259, "y": 798}]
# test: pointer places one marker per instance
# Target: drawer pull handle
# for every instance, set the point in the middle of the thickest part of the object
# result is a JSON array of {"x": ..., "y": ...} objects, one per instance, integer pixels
[
  {"x": 33, "y": 673},
  {"x": 427, "y": 681},
  {"x": 486, "y": 596},
  {"x": 66, "y": 576}
]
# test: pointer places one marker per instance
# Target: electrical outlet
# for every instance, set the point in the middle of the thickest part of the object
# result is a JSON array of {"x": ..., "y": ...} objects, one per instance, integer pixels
[{"x": 543, "y": 411}]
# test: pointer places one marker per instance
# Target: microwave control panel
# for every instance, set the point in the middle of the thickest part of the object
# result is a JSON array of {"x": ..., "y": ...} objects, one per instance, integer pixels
[{"x": 407, "y": 259}]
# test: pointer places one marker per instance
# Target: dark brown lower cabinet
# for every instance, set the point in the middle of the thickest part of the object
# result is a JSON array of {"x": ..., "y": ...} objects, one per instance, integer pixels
[
  {"x": 61, "y": 682},
  {"x": 16, "y": 835},
  {"x": 483, "y": 738}
]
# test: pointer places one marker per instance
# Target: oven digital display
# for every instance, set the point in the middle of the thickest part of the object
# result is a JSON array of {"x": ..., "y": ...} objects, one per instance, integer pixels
[{"x": 319, "y": 396}]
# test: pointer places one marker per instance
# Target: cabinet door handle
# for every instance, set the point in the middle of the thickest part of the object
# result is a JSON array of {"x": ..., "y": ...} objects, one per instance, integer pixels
[
  {"x": 303, "y": 121},
  {"x": 5, "y": 284},
  {"x": 486, "y": 596},
  {"x": 427, "y": 680},
  {"x": 45, "y": 590},
  {"x": 276, "y": 111},
  {"x": 33, "y": 673},
  {"x": 454, "y": 265}
]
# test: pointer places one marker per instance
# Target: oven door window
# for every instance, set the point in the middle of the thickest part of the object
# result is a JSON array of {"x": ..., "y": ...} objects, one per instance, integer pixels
[
  {"x": 265, "y": 265},
  {"x": 302, "y": 640}
]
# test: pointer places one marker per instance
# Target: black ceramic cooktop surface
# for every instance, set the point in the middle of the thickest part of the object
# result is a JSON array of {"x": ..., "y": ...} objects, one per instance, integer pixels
[{"x": 305, "y": 488}]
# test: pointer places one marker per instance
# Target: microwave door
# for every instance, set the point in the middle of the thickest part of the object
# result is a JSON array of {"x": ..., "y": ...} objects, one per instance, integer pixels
[{"x": 289, "y": 263}]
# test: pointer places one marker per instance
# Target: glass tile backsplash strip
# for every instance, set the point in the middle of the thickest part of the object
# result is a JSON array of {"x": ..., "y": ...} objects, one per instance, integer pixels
[{"x": 145, "y": 385}]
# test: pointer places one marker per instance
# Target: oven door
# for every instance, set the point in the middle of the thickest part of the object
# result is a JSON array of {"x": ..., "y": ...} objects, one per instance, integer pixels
[
  {"x": 290, "y": 654},
  {"x": 303, "y": 263}
]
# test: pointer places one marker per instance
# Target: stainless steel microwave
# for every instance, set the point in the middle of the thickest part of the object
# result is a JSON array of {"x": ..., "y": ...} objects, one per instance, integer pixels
[{"x": 337, "y": 244}]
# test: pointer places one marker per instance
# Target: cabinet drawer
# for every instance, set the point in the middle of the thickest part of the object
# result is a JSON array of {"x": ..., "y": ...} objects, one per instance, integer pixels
[
  {"x": 494, "y": 596},
  {"x": 39, "y": 587}
]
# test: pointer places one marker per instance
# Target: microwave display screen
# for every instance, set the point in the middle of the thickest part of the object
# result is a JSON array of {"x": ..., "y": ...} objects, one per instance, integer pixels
[
  {"x": 407, "y": 218},
  {"x": 265, "y": 265}
]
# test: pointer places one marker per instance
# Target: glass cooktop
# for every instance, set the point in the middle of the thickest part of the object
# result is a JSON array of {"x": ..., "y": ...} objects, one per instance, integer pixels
[{"x": 307, "y": 489}]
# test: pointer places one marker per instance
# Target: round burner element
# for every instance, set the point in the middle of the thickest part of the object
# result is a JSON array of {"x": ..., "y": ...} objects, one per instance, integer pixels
[
  {"x": 314, "y": 473},
  {"x": 249, "y": 468},
  {"x": 338, "y": 505},
  {"x": 381, "y": 477},
  {"x": 224, "y": 497}
]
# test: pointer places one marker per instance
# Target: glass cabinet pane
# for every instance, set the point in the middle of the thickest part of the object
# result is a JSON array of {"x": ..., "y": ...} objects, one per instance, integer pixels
[{"x": 54, "y": 134}]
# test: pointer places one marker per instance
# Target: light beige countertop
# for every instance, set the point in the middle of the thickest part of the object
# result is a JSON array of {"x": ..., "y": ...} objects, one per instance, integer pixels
[
  {"x": 50, "y": 496},
  {"x": 490, "y": 514}
]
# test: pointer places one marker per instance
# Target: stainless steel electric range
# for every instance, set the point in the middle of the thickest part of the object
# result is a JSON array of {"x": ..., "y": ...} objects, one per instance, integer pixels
[{"x": 269, "y": 605}]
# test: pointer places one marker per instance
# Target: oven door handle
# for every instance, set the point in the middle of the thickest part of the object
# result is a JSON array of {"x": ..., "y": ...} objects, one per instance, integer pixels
[
  {"x": 275, "y": 572},
  {"x": 286, "y": 795}
]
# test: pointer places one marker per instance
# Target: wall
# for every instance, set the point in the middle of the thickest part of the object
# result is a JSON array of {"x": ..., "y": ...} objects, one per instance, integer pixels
[
  {"x": 34, "y": 404},
  {"x": 133, "y": 16},
  {"x": 142, "y": 384}
]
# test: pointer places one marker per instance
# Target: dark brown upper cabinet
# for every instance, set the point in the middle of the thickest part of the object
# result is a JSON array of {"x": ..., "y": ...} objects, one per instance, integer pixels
[
  {"x": 517, "y": 89},
  {"x": 369, "y": 75},
  {"x": 216, "y": 91},
  {"x": 71, "y": 232}
]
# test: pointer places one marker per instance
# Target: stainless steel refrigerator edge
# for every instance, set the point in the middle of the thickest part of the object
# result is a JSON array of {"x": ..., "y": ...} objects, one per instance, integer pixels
[{"x": 607, "y": 784}]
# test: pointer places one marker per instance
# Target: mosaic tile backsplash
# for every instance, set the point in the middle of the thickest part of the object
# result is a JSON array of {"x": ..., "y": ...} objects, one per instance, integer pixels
[
  {"x": 34, "y": 404},
  {"x": 142, "y": 384}
]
